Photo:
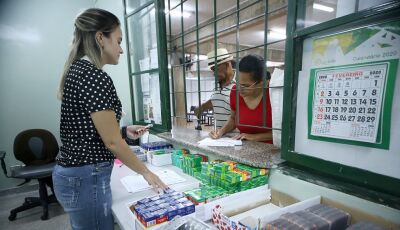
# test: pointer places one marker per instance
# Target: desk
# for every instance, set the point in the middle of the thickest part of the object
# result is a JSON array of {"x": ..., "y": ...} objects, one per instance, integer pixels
[{"x": 121, "y": 197}]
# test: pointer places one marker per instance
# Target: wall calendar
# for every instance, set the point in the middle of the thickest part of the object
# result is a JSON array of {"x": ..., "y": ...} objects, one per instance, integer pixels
[{"x": 347, "y": 102}]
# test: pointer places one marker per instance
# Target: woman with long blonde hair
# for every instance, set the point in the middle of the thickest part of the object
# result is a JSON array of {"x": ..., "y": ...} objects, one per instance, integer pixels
[{"x": 89, "y": 126}]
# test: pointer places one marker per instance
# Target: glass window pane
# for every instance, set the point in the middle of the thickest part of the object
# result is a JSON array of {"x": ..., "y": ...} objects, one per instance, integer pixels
[
  {"x": 206, "y": 10},
  {"x": 318, "y": 11},
  {"x": 225, "y": 5},
  {"x": 189, "y": 14},
  {"x": 276, "y": 5},
  {"x": 275, "y": 55},
  {"x": 132, "y": 5},
  {"x": 143, "y": 40},
  {"x": 146, "y": 89},
  {"x": 179, "y": 95}
]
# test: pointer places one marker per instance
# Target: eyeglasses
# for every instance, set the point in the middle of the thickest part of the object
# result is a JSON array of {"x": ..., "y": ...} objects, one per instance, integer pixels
[{"x": 247, "y": 87}]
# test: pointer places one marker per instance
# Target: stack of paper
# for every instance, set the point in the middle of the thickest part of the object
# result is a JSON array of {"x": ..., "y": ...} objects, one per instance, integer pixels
[
  {"x": 225, "y": 141},
  {"x": 137, "y": 183}
]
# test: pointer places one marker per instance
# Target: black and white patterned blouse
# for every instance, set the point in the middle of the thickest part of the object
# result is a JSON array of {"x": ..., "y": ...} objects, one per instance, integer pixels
[{"x": 87, "y": 89}]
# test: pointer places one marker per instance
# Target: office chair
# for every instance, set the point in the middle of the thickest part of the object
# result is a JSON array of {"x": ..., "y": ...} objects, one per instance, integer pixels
[{"x": 37, "y": 149}]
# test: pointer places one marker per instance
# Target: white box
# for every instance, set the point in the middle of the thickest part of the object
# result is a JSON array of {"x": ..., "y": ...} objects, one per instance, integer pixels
[
  {"x": 239, "y": 217},
  {"x": 159, "y": 160}
]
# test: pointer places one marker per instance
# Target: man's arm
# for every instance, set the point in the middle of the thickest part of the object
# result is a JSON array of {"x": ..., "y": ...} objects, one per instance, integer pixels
[{"x": 203, "y": 107}]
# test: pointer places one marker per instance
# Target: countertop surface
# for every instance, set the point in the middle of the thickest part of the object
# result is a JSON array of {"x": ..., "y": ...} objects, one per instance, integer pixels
[{"x": 251, "y": 153}]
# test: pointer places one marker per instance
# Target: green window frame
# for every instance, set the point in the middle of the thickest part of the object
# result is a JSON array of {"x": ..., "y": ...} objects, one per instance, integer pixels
[
  {"x": 387, "y": 188},
  {"x": 162, "y": 62}
]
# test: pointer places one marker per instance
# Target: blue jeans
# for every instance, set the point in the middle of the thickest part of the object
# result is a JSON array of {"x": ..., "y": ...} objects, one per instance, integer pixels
[{"x": 85, "y": 194}]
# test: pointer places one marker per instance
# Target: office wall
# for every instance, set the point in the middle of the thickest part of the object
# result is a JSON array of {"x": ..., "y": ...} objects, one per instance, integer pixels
[{"x": 34, "y": 42}]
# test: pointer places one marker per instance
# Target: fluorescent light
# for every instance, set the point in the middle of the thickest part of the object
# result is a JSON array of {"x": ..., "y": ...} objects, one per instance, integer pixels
[
  {"x": 322, "y": 7},
  {"x": 274, "y": 63},
  {"x": 178, "y": 13}
]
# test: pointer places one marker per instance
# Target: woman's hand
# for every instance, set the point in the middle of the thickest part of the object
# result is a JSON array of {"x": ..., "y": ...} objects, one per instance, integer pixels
[
  {"x": 154, "y": 181},
  {"x": 244, "y": 136},
  {"x": 215, "y": 134},
  {"x": 135, "y": 131}
]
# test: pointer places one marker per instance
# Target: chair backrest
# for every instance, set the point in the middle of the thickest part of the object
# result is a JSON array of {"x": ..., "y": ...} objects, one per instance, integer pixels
[{"x": 35, "y": 147}]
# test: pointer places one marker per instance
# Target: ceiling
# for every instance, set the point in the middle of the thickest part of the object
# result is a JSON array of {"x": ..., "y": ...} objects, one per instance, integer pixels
[
  {"x": 205, "y": 9},
  {"x": 249, "y": 35}
]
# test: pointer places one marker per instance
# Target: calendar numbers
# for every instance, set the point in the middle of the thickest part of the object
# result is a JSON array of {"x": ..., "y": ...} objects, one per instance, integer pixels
[{"x": 347, "y": 102}]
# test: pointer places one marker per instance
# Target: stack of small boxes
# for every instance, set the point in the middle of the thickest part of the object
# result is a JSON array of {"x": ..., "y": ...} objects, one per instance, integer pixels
[
  {"x": 189, "y": 163},
  {"x": 233, "y": 177},
  {"x": 162, "y": 208},
  {"x": 205, "y": 194},
  {"x": 156, "y": 145},
  {"x": 318, "y": 217},
  {"x": 218, "y": 178}
]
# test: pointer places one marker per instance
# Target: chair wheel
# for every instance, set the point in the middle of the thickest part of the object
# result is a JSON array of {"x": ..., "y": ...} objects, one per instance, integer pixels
[{"x": 12, "y": 216}]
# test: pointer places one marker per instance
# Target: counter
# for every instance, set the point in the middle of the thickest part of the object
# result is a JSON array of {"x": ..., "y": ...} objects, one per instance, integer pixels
[{"x": 251, "y": 153}]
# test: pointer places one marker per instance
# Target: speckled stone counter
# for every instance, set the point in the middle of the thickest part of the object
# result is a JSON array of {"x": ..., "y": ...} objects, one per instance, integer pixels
[{"x": 250, "y": 153}]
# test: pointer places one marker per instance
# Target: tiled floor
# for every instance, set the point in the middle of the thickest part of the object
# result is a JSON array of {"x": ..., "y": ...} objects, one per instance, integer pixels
[{"x": 30, "y": 219}]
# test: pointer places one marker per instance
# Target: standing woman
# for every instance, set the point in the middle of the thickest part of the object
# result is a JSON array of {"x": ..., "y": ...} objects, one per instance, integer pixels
[{"x": 89, "y": 128}]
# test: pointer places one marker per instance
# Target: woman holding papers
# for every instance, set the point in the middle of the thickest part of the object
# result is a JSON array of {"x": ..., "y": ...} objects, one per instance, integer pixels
[
  {"x": 89, "y": 126},
  {"x": 250, "y": 103}
]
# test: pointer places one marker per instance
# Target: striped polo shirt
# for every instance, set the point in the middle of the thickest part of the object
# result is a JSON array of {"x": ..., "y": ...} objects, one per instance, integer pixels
[{"x": 221, "y": 107}]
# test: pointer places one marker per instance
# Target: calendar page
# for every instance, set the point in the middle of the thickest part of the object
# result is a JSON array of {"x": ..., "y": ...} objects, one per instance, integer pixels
[{"x": 347, "y": 101}]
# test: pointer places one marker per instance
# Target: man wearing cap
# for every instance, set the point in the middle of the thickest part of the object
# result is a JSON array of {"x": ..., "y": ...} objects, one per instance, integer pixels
[{"x": 219, "y": 101}]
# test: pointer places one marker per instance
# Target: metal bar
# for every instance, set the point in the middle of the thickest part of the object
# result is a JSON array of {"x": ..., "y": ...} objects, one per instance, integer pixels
[
  {"x": 173, "y": 8},
  {"x": 172, "y": 71},
  {"x": 183, "y": 59},
  {"x": 138, "y": 9},
  {"x": 245, "y": 49},
  {"x": 288, "y": 79},
  {"x": 163, "y": 65},
  {"x": 237, "y": 73},
  {"x": 198, "y": 127},
  {"x": 264, "y": 120},
  {"x": 209, "y": 91},
  {"x": 144, "y": 71},
  {"x": 129, "y": 65},
  {"x": 373, "y": 11},
  {"x": 215, "y": 45}
]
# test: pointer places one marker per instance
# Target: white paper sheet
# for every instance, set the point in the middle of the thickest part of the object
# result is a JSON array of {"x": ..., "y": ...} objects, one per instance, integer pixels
[
  {"x": 145, "y": 82},
  {"x": 137, "y": 183},
  {"x": 225, "y": 141},
  {"x": 276, "y": 98},
  {"x": 154, "y": 58}
]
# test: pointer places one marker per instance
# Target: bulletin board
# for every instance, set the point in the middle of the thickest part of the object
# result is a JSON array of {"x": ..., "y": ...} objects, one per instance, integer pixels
[{"x": 358, "y": 66}]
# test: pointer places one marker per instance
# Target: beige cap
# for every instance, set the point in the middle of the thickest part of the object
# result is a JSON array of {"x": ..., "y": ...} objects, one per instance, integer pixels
[{"x": 222, "y": 57}]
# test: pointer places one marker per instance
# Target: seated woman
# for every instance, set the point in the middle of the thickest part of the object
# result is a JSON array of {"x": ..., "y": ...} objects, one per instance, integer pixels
[{"x": 250, "y": 104}]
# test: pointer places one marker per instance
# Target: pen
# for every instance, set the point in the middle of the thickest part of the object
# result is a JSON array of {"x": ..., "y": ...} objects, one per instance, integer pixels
[{"x": 215, "y": 126}]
